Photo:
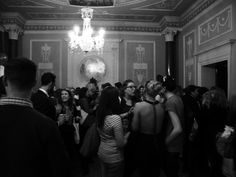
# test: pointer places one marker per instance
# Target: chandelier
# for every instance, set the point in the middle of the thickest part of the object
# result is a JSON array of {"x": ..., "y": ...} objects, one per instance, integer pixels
[{"x": 85, "y": 41}]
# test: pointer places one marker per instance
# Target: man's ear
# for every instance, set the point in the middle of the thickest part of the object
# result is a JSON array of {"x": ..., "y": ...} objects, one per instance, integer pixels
[{"x": 50, "y": 85}]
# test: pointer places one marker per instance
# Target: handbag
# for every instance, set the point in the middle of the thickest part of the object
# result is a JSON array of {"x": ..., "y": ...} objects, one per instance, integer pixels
[{"x": 91, "y": 142}]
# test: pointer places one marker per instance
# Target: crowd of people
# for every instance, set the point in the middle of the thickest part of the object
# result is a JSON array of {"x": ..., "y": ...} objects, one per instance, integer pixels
[{"x": 146, "y": 130}]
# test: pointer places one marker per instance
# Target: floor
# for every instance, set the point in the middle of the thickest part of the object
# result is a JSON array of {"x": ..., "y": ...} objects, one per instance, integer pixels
[{"x": 94, "y": 171}]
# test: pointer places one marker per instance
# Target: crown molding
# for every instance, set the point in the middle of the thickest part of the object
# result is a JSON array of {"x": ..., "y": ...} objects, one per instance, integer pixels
[
  {"x": 13, "y": 19},
  {"x": 147, "y": 27},
  {"x": 93, "y": 23},
  {"x": 107, "y": 32},
  {"x": 107, "y": 28},
  {"x": 197, "y": 10}
]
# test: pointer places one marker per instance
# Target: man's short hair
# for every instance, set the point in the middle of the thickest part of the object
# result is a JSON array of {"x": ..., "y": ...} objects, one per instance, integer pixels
[
  {"x": 21, "y": 72},
  {"x": 47, "y": 78},
  {"x": 118, "y": 85},
  {"x": 107, "y": 84}
]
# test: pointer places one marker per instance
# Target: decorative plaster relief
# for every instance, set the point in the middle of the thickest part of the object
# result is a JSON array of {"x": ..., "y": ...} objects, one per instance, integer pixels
[
  {"x": 47, "y": 54},
  {"x": 125, "y": 2},
  {"x": 99, "y": 17},
  {"x": 216, "y": 26},
  {"x": 164, "y": 5},
  {"x": 140, "y": 61},
  {"x": 107, "y": 28},
  {"x": 59, "y": 2},
  {"x": 13, "y": 30}
]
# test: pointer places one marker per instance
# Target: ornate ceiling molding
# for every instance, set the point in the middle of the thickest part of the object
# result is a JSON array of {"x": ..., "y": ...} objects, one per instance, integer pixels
[
  {"x": 25, "y": 4},
  {"x": 120, "y": 3},
  {"x": 99, "y": 17},
  {"x": 133, "y": 26},
  {"x": 195, "y": 12},
  {"x": 59, "y": 2},
  {"x": 162, "y": 5},
  {"x": 13, "y": 19},
  {"x": 107, "y": 28}
]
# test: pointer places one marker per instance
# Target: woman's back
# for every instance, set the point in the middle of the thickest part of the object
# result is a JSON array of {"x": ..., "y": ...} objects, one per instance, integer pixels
[
  {"x": 146, "y": 120},
  {"x": 108, "y": 150}
]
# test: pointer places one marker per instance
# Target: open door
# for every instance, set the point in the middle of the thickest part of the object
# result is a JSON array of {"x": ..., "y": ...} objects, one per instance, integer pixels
[{"x": 215, "y": 74}]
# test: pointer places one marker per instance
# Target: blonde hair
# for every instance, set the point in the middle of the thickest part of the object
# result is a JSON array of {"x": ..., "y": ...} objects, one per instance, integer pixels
[{"x": 152, "y": 88}]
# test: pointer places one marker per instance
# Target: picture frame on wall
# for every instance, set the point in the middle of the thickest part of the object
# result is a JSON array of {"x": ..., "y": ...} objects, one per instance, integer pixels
[
  {"x": 189, "y": 59},
  {"x": 140, "y": 61}
]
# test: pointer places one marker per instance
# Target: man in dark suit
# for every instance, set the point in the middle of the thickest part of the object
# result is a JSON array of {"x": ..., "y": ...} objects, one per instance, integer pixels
[
  {"x": 31, "y": 145},
  {"x": 41, "y": 99}
]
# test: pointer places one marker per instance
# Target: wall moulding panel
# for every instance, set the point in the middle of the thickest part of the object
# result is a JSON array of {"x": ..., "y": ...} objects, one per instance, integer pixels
[
  {"x": 47, "y": 54},
  {"x": 215, "y": 26},
  {"x": 189, "y": 48},
  {"x": 140, "y": 60}
]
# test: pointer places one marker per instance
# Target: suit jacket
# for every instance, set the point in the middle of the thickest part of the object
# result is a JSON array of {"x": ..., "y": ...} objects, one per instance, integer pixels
[
  {"x": 31, "y": 145},
  {"x": 44, "y": 104}
]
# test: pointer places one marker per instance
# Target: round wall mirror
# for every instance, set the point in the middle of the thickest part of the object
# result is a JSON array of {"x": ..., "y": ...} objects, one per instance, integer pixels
[{"x": 93, "y": 67}]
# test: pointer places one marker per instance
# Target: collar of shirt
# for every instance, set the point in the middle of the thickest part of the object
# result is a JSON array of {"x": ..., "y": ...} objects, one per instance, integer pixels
[
  {"x": 16, "y": 101},
  {"x": 44, "y": 91}
]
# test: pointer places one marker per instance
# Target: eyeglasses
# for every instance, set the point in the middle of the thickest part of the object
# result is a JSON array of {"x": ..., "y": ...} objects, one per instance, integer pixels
[{"x": 131, "y": 86}]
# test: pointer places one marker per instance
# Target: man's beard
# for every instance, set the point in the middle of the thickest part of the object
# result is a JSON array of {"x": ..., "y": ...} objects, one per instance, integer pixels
[{"x": 50, "y": 91}]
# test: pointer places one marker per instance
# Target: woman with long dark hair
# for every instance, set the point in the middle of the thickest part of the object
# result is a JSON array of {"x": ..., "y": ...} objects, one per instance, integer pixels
[
  {"x": 111, "y": 133},
  {"x": 66, "y": 116},
  {"x": 213, "y": 119}
]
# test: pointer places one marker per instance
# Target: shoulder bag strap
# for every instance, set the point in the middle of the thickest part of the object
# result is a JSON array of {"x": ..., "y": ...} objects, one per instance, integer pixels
[{"x": 155, "y": 120}]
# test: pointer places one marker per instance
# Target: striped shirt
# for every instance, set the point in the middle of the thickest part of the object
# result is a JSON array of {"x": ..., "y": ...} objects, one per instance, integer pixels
[
  {"x": 108, "y": 151},
  {"x": 16, "y": 101}
]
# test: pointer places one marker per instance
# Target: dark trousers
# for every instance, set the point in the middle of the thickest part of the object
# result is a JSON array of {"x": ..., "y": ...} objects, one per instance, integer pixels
[
  {"x": 148, "y": 155},
  {"x": 171, "y": 164},
  {"x": 112, "y": 169}
]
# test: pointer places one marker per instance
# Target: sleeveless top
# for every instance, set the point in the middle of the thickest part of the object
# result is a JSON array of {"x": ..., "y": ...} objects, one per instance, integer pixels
[{"x": 108, "y": 150}]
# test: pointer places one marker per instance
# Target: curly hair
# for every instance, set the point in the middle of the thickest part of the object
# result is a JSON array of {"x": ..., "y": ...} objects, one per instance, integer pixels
[{"x": 215, "y": 98}]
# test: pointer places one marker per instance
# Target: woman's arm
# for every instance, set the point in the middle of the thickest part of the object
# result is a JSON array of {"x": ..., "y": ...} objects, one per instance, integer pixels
[
  {"x": 120, "y": 138},
  {"x": 135, "y": 121},
  {"x": 177, "y": 128}
]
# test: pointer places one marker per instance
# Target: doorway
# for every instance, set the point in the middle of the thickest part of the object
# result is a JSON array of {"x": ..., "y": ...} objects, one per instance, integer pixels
[{"x": 215, "y": 74}]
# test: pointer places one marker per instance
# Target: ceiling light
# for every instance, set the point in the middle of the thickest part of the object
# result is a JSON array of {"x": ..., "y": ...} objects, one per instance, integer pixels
[{"x": 85, "y": 40}]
